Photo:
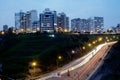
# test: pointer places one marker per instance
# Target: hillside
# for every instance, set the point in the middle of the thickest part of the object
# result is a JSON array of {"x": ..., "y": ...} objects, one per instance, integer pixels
[{"x": 18, "y": 51}]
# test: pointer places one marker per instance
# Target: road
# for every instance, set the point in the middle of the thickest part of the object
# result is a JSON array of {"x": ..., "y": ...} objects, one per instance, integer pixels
[
  {"x": 81, "y": 68},
  {"x": 84, "y": 72}
]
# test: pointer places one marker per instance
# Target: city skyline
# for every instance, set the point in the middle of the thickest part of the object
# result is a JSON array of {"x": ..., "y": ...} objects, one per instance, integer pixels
[{"x": 74, "y": 9}]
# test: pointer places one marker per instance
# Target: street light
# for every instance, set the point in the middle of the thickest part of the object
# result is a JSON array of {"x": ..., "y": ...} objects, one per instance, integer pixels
[
  {"x": 108, "y": 40},
  {"x": 59, "y": 58},
  {"x": 13, "y": 31},
  {"x": 89, "y": 44},
  {"x": 21, "y": 30},
  {"x": 100, "y": 39},
  {"x": 65, "y": 30},
  {"x": 34, "y": 64},
  {"x": 73, "y": 52},
  {"x": 93, "y": 42},
  {"x": 83, "y": 47}
]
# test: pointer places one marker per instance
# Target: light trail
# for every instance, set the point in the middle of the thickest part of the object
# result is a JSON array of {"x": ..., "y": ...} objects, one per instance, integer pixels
[{"x": 76, "y": 64}]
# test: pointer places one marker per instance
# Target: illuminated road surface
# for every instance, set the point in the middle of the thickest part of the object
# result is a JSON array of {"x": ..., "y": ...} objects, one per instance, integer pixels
[{"x": 81, "y": 68}]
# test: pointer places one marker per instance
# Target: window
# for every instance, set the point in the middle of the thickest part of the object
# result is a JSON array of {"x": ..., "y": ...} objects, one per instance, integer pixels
[{"x": 48, "y": 24}]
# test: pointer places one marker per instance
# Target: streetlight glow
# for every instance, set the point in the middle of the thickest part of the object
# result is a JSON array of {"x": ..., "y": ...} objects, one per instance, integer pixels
[
  {"x": 89, "y": 44},
  {"x": 59, "y": 57},
  {"x": 73, "y": 52},
  {"x": 34, "y": 64},
  {"x": 100, "y": 39},
  {"x": 2, "y": 32},
  {"x": 93, "y": 42},
  {"x": 21, "y": 30},
  {"x": 108, "y": 40},
  {"x": 83, "y": 47},
  {"x": 13, "y": 31},
  {"x": 65, "y": 30}
]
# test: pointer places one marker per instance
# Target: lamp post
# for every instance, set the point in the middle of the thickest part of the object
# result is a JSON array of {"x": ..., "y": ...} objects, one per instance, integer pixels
[
  {"x": 34, "y": 64},
  {"x": 83, "y": 49},
  {"x": 58, "y": 59}
]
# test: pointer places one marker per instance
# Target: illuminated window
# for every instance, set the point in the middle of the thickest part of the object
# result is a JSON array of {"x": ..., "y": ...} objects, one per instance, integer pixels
[
  {"x": 48, "y": 24},
  {"x": 42, "y": 24}
]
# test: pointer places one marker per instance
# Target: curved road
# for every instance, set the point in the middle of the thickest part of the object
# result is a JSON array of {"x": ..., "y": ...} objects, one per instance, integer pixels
[
  {"x": 82, "y": 68},
  {"x": 84, "y": 72}
]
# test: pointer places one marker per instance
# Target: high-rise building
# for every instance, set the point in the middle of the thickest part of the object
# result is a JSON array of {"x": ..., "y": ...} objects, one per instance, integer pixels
[
  {"x": 24, "y": 21},
  {"x": 79, "y": 25},
  {"x": 19, "y": 20},
  {"x": 55, "y": 20},
  {"x": 34, "y": 20},
  {"x": 98, "y": 24},
  {"x": 75, "y": 25},
  {"x": 90, "y": 25},
  {"x": 67, "y": 24},
  {"x": 84, "y": 25},
  {"x": 5, "y": 28},
  {"x": 62, "y": 23},
  {"x": 47, "y": 21},
  {"x": 35, "y": 26}
]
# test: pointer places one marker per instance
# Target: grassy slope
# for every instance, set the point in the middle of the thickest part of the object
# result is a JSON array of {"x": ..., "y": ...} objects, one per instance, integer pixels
[
  {"x": 25, "y": 48},
  {"x": 33, "y": 47}
]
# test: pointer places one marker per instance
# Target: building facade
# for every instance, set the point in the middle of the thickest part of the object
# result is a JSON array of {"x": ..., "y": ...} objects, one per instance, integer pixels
[
  {"x": 90, "y": 25},
  {"x": 98, "y": 24},
  {"x": 75, "y": 25},
  {"x": 24, "y": 21},
  {"x": 5, "y": 28},
  {"x": 33, "y": 24},
  {"x": 79, "y": 25},
  {"x": 18, "y": 20},
  {"x": 62, "y": 23},
  {"x": 91, "y": 28},
  {"x": 47, "y": 21}
]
